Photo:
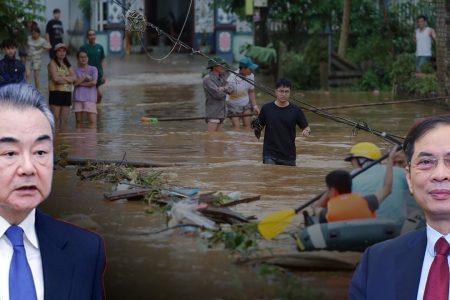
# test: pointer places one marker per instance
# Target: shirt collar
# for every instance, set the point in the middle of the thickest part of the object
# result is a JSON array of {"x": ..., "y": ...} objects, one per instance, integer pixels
[
  {"x": 28, "y": 228},
  {"x": 432, "y": 237}
]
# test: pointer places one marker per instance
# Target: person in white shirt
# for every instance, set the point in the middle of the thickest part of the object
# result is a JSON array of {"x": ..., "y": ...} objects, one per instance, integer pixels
[
  {"x": 423, "y": 37},
  {"x": 241, "y": 103},
  {"x": 36, "y": 46},
  {"x": 40, "y": 257},
  {"x": 415, "y": 265}
]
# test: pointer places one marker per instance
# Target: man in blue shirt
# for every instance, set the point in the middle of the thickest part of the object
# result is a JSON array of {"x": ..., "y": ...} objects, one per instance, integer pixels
[{"x": 399, "y": 204}]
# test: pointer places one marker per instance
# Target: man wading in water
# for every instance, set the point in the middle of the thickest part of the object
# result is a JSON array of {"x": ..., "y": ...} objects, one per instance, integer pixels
[
  {"x": 216, "y": 89},
  {"x": 280, "y": 119}
]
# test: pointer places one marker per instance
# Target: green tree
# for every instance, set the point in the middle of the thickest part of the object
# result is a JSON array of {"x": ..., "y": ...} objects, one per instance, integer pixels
[
  {"x": 297, "y": 15},
  {"x": 13, "y": 16},
  {"x": 345, "y": 28}
]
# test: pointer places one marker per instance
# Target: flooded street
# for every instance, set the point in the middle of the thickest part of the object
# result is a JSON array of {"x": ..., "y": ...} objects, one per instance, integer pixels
[{"x": 170, "y": 265}]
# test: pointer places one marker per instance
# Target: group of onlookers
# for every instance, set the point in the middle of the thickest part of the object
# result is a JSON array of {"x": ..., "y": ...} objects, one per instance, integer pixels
[{"x": 77, "y": 87}]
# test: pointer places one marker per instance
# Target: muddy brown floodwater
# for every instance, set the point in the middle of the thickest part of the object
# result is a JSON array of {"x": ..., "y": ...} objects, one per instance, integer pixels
[{"x": 170, "y": 265}]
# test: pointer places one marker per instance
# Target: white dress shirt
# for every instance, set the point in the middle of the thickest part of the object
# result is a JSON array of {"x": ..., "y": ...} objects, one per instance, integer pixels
[
  {"x": 432, "y": 237},
  {"x": 33, "y": 255}
]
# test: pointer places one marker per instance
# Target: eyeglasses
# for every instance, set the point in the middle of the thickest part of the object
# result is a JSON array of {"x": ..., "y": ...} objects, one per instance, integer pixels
[{"x": 428, "y": 163}]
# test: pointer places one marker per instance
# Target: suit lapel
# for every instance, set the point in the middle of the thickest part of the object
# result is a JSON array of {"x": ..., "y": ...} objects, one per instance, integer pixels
[
  {"x": 57, "y": 266},
  {"x": 409, "y": 266}
]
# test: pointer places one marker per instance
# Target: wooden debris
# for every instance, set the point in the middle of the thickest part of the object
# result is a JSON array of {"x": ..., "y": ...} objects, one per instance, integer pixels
[
  {"x": 206, "y": 197},
  {"x": 80, "y": 161},
  {"x": 127, "y": 194},
  {"x": 223, "y": 215},
  {"x": 311, "y": 261},
  {"x": 240, "y": 201}
]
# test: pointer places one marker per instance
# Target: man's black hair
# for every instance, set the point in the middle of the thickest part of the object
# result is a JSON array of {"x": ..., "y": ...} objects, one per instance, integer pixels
[
  {"x": 9, "y": 43},
  {"x": 419, "y": 129},
  {"x": 36, "y": 29},
  {"x": 283, "y": 82},
  {"x": 422, "y": 17},
  {"x": 340, "y": 180},
  {"x": 89, "y": 30},
  {"x": 56, "y": 11}
]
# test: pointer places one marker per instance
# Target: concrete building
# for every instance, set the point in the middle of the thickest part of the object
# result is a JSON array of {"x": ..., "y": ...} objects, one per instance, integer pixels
[{"x": 206, "y": 29}]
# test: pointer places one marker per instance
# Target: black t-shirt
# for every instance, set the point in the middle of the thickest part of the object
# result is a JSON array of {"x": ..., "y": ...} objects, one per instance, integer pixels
[
  {"x": 280, "y": 129},
  {"x": 55, "y": 31}
]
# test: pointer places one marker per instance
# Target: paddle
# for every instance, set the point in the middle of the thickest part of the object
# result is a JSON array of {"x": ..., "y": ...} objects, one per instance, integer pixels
[{"x": 276, "y": 223}]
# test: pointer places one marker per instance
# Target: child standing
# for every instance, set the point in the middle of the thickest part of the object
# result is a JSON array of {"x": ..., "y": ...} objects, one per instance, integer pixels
[
  {"x": 36, "y": 46},
  {"x": 85, "y": 95}
]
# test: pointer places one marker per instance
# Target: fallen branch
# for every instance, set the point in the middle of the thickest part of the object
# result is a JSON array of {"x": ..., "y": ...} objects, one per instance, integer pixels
[
  {"x": 80, "y": 161},
  {"x": 240, "y": 201}
]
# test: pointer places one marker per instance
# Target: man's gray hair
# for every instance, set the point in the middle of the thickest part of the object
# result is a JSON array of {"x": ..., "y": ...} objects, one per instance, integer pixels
[{"x": 21, "y": 95}]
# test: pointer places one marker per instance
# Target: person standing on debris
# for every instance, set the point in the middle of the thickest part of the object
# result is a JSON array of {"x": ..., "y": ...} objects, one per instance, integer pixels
[
  {"x": 41, "y": 257},
  {"x": 242, "y": 102},
  {"x": 280, "y": 118},
  {"x": 60, "y": 85},
  {"x": 54, "y": 31},
  {"x": 423, "y": 37},
  {"x": 96, "y": 56},
  {"x": 415, "y": 265},
  {"x": 12, "y": 70},
  {"x": 216, "y": 89},
  {"x": 36, "y": 46}
]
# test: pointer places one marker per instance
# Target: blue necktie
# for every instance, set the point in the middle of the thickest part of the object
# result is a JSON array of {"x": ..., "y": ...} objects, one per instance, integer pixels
[{"x": 21, "y": 284}]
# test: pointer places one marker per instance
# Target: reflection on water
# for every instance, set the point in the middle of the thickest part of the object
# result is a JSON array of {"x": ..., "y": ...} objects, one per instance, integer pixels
[{"x": 170, "y": 266}]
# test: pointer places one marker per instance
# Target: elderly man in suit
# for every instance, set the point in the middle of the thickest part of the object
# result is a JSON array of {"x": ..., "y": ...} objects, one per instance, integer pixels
[
  {"x": 40, "y": 257},
  {"x": 415, "y": 266}
]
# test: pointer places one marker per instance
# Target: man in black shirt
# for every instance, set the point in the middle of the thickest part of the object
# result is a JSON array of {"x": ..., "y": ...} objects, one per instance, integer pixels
[
  {"x": 54, "y": 31},
  {"x": 280, "y": 119}
]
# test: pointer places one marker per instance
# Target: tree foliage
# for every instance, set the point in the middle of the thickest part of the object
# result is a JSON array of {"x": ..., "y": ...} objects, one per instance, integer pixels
[
  {"x": 13, "y": 16},
  {"x": 377, "y": 34},
  {"x": 297, "y": 15}
]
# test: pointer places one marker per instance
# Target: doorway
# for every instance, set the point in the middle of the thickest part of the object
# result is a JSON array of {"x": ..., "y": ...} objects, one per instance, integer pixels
[{"x": 169, "y": 15}]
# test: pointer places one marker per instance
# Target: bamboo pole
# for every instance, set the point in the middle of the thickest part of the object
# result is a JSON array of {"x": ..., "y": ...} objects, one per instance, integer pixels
[
  {"x": 381, "y": 103},
  {"x": 170, "y": 119}
]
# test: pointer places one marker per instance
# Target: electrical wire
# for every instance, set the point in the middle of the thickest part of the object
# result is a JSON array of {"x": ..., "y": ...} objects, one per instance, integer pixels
[{"x": 135, "y": 21}]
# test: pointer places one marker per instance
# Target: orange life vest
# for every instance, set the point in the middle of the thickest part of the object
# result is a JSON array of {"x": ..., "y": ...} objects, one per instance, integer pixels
[{"x": 348, "y": 207}]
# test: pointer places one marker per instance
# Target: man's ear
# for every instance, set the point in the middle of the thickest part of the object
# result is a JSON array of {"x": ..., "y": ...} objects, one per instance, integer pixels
[
  {"x": 408, "y": 179},
  {"x": 332, "y": 192}
]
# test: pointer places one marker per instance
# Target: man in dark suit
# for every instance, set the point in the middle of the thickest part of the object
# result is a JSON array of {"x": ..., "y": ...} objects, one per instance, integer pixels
[
  {"x": 415, "y": 266},
  {"x": 40, "y": 257}
]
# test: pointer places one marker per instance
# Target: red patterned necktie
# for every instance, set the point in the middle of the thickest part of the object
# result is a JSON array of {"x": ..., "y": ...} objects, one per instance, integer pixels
[{"x": 438, "y": 276}]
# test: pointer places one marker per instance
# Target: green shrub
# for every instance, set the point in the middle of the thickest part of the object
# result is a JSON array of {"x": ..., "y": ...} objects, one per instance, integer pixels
[
  {"x": 403, "y": 68},
  {"x": 369, "y": 81},
  {"x": 421, "y": 86},
  {"x": 427, "y": 68},
  {"x": 296, "y": 69},
  {"x": 316, "y": 51},
  {"x": 403, "y": 74}
]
